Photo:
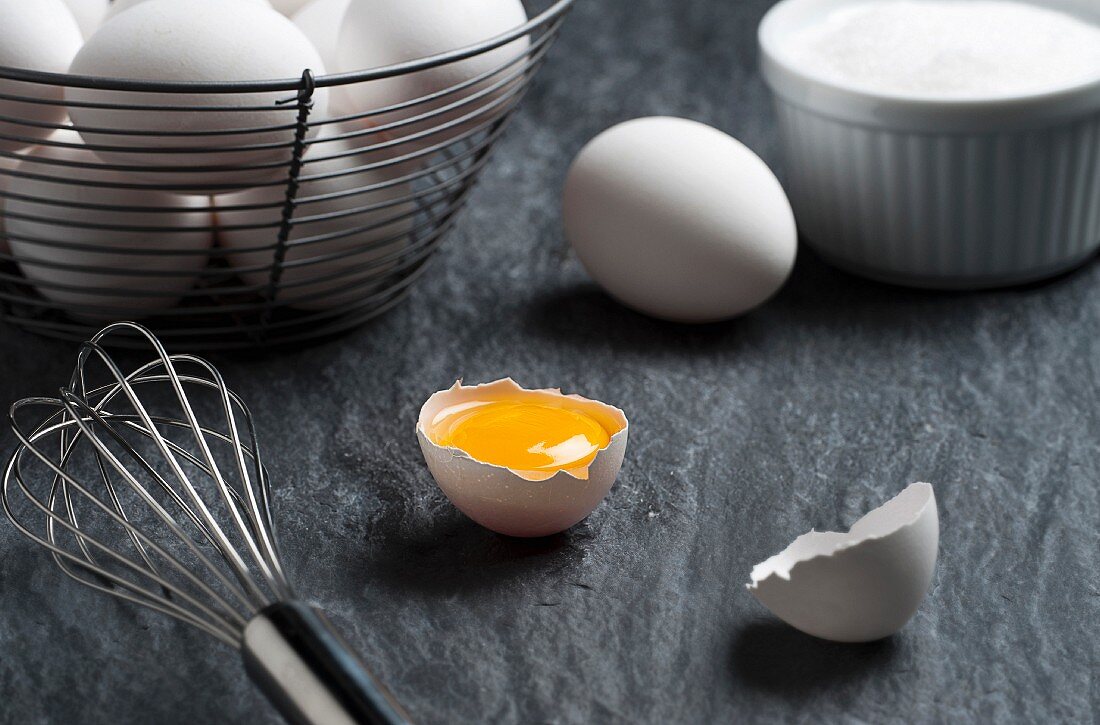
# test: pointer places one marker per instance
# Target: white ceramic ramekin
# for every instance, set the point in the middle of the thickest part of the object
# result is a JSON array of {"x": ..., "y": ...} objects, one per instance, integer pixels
[{"x": 937, "y": 193}]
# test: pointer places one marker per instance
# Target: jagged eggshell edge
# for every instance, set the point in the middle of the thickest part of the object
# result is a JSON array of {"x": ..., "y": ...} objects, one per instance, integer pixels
[
  {"x": 519, "y": 503},
  {"x": 858, "y": 586}
]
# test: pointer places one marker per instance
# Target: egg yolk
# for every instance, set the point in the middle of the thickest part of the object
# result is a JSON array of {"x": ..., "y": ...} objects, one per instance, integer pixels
[{"x": 522, "y": 435}]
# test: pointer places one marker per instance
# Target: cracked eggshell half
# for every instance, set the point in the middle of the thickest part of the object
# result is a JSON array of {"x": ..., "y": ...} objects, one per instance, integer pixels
[
  {"x": 858, "y": 586},
  {"x": 521, "y": 503}
]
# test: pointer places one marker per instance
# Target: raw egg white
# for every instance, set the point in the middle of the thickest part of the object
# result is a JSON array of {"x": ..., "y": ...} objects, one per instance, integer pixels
[
  {"x": 320, "y": 21},
  {"x": 185, "y": 227},
  {"x": 859, "y": 586},
  {"x": 89, "y": 14},
  {"x": 384, "y": 32},
  {"x": 678, "y": 220},
  {"x": 521, "y": 462},
  {"x": 41, "y": 35},
  {"x": 372, "y": 225},
  {"x": 119, "y": 5},
  {"x": 196, "y": 40}
]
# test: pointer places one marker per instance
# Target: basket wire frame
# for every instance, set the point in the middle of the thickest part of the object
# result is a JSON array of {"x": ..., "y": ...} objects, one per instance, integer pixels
[{"x": 394, "y": 179}]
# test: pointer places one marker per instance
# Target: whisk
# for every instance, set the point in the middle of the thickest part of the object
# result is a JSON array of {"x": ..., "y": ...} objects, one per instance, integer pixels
[{"x": 149, "y": 485}]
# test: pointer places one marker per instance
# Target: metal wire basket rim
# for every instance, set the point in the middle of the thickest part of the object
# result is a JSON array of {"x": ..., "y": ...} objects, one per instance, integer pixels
[
  {"x": 559, "y": 8},
  {"x": 517, "y": 66}
]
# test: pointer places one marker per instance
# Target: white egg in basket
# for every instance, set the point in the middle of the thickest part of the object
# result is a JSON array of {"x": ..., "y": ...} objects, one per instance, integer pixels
[
  {"x": 117, "y": 6},
  {"x": 321, "y": 21},
  {"x": 103, "y": 273},
  {"x": 196, "y": 40},
  {"x": 385, "y": 32},
  {"x": 6, "y": 165},
  {"x": 358, "y": 245},
  {"x": 89, "y": 14},
  {"x": 288, "y": 7},
  {"x": 43, "y": 36}
]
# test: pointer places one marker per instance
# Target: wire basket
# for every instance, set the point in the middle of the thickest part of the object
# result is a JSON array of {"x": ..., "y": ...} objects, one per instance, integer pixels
[{"x": 265, "y": 233}]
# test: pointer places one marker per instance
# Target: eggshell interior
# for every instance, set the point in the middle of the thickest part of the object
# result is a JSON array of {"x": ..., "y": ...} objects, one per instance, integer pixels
[
  {"x": 521, "y": 503},
  {"x": 612, "y": 419},
  {"x": 861, "y": 585}
]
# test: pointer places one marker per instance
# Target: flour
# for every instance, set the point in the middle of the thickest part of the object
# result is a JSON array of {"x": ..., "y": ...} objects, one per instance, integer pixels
[{"x": 950, "y": 48}]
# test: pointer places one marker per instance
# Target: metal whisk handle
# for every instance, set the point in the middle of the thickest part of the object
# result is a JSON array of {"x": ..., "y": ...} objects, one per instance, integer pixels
[{"x": 310, "y": 674}]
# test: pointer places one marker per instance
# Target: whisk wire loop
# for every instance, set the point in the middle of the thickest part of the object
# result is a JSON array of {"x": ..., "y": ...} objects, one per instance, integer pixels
[
  {"x": 149, "y": 485},
  {"x": 87, "y": 416},
  {"x": 217, "y": 621}
]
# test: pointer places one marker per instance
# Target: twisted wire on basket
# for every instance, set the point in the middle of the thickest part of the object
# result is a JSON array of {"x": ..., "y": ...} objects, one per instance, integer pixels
[
  {"x": 198, "y": 546},
  {"x": 431, "y": 160}
]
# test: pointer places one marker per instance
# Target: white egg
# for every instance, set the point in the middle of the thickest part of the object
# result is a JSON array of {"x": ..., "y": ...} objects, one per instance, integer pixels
[
  {"x": 89, "y": 14},
  {"x": 859, "y": 586},
  {"x": 119, "y": 5},
  {"x": 288, "y": 7},
  {"x": 678, "y": 220},
  {"x": 41, "y": 35},
  {"x": 368, "y": 230},
  {"x": 161, "y": 280},
  {"x": 321, "y": 21},
  {"x": 384, "y": 32},
  {"x": 521, "y": 503},
  {"x": 196, "y": 40}
]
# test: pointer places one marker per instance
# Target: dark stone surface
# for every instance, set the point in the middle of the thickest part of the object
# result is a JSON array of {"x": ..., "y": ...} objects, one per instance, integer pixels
[{"x": 808, "y": 412}]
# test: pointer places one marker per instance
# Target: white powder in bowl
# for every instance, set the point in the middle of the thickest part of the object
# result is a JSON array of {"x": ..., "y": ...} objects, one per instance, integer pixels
[{"x": 956, "y": 49}]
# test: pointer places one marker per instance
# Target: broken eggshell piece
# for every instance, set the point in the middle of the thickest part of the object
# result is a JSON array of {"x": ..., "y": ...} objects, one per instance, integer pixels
[
  {"x": 860, "y": 586},
  {"x": 521, "y": 503}
]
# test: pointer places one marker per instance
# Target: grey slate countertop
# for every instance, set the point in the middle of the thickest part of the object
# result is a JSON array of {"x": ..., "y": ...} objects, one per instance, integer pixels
[{"x": 805, "y": 413}]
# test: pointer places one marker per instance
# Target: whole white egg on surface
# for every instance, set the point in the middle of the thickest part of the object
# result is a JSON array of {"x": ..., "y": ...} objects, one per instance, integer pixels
[
  {"x": 384, "y": 32},
  {"x": 154, "y": 282},
  {"x": 679, "y": 220},
  {"x": 196, "y": 40},
  {"x": 89, "y": 14},
  {"x": 368, "y": 229},
  {"x": 861, "y": 585},
  {"x": 321, "y": 21},
  {"x": 522, "y": 462},
  {"x": 41, "y": 35},
  {"x": 119, "y": 5}
]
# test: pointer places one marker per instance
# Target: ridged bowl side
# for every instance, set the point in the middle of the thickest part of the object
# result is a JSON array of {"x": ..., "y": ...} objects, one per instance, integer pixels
[{"x": 952, "y": 210}]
